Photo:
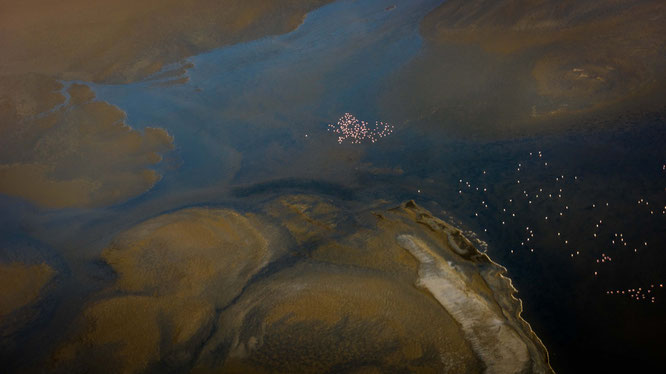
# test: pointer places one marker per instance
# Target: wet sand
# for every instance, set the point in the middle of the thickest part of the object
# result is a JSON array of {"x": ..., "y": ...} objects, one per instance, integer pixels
[
  {"x": 77, "y": 153},
  {"x": 207, "y": 290},
  {"x": 126, "y": 40},
  {"x": 522, "y": 67},
  {"x": 217, "y": 143},
  {"x": 49, "y": 155}
]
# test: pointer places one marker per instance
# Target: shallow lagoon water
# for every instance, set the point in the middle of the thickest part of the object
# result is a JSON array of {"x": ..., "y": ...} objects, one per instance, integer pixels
[
  {"x": 247, "y": 104},
  {"x": 251, "y": 121}
]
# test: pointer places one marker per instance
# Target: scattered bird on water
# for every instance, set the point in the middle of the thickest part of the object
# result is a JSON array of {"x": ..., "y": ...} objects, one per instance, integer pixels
[{"x": 540, "y": 190}]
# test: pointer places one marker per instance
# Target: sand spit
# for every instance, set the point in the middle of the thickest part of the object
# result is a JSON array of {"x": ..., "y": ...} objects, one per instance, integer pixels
[
  {"x": 493, "y": 339},
  {"x": 476, "y": 292}
]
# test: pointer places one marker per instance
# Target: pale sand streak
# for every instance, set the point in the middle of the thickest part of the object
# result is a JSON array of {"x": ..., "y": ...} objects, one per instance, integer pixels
[{"x": 495, "y": 342}]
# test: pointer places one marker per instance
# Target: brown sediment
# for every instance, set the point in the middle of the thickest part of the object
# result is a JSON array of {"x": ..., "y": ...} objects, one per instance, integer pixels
[
  {"x": 132, "y": 333},
  {"x": 316, "y": 318},
  {"x": 125, "y": 40},
  {"x": 210, "y": 290},
  {"x": 26, "y": 96},
  {"x": 21, "y": 285},
  {"x": 111, "y": 42},
  {"x": 526, "y": 65},
  {"x": 197, "y": 252},
  {"x": 173, "y": 272},
  {"x": 78, "y": 153},
  {"x": 80, "y": 94},
  {"x": 24, "y": 293},
  {"x": 306, "y": 217},
  {"x": 590, "y": 54}
]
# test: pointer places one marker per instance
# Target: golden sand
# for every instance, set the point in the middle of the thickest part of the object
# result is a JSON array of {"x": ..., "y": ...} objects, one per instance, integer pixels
[
  {"x": 194, "y": 252},
  {"x": 21, "y": 285},
  {"x": 173, "y": 272},
  {"x": 80, "y": 154},
  {"x": 315, "y": 318},
  {"x": 190, "y": 294}
]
